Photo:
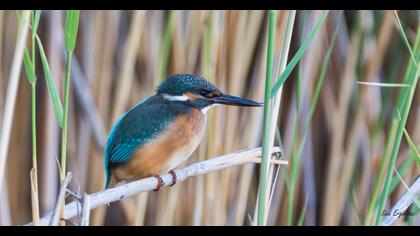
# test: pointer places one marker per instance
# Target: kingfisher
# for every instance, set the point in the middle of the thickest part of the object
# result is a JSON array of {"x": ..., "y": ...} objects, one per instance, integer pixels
[{"x": 160, "y": 132}]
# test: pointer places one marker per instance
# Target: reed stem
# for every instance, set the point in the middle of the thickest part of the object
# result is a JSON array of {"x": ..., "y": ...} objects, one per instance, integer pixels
[
  {"x": 34, "y": 172},
  {"x": 66, "y": 111},
  {"x": 264, "y": 168}
]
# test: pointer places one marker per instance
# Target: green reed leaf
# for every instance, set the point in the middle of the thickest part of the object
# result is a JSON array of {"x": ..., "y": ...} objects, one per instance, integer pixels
[
  {"x": 72, "y": 23},
  {"x": 52, "y": 89},
  {"x": 30, "y": 73},
  {"x": 35, "y": 22},
  {"x": 299, "y": 54}
]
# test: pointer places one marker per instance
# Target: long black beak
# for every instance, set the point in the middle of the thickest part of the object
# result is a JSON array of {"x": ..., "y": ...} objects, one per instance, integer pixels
[{"x": 226, "y": 99}]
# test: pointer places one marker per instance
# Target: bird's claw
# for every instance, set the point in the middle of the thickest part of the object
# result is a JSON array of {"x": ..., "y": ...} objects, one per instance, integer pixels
[
  {"x": 174, "y": 178},
  {"x": 160, "y": 182}
]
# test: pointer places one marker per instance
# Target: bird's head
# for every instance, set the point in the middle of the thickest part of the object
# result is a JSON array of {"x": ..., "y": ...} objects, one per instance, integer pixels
[{"x": 198, "y": 91}]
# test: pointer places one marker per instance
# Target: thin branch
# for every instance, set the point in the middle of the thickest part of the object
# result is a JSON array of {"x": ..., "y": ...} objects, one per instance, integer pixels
[
  {"x": 200, "y": 168},
  {"x": 403, "y": 203},
  {"x": 60, "y": 202}
]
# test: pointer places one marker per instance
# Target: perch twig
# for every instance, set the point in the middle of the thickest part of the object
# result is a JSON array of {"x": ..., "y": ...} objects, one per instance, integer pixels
[{"x": 132, "y": 188}]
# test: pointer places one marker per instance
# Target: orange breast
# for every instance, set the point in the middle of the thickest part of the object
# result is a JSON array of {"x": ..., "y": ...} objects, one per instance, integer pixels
[{"x": 168, "y": 150}]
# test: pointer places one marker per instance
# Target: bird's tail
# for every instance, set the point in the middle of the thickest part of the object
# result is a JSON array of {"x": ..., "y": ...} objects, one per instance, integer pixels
[
  {"x": 107, "y": 170},
  {"x": 111, "y": 180},
  {"x": 108, "y": 178}
]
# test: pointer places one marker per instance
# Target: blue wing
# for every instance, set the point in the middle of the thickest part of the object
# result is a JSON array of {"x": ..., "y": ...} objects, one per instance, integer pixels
[{"x": 136, "y": 127}]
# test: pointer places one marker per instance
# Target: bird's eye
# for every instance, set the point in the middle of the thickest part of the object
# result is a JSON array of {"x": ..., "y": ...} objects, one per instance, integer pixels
[{"x": 203, "y": 92}]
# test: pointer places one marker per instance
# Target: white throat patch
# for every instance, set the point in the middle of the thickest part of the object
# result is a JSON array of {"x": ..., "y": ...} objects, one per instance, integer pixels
[{"x": 205, "y": 109}]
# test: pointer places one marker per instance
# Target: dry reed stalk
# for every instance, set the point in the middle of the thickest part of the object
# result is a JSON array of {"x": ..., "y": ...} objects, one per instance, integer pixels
[
  {"x": 50, "y": 133},
  {"x": 309, "y": 196},
  {"x": 87, "y": 61},
  {"x": 141, "y": 209},
  {"x": 363, "y": 114},
  {"x": 9, "y": 39},
  {"x": 235, "y": 41},
  {"x": 329, "y": 210},
  {"x": 254, "y": 131},
  {"x": 178, "y": 49},
  {"x": 192, "y": 45},
  {"x": 5, "y": 218},
  {"x": 211, "y": 198},
  {"x": 152, "y": 45},
  {"x": 86, "y": 210},
  {"x": 83, "y": 93},
  {"x": 130, "y": 54},
  {"x": 11, "y": 93},
  {"x": 55, "y": 217},
  {"x": 206, "y": 70},
  {"x": 328, "y": 94},
  {"x": 105, "y": 52},
  {"x": 84, "y": 96},
  {"x": 19, "y": 161},
  {"x": 2, "y": 81},
  {"x": 34, "y": 196},
  {"x": 216, "y": 58},
  {"x": 246, "y": 25}
]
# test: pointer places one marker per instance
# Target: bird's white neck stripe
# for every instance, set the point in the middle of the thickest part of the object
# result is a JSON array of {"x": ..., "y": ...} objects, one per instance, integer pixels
[
  {"x": 175, "y": 98},
  {"x": 205, "y": 109}
]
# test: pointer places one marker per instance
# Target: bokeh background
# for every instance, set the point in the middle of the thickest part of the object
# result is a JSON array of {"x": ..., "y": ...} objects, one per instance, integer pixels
[{"x": 122, "y": 55}]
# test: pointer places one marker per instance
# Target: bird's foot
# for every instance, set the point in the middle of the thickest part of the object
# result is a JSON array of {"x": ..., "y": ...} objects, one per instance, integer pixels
[
  {"x": 174, "y": 178},
  {"x": 160, "y": 182}
]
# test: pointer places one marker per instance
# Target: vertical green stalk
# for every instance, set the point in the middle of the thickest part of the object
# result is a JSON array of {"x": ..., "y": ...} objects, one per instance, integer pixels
[
  {"x": 266, "y": 125},
  {"x": 30, "y": 73},
  {"x": 34, "y": 162},
  {"x": 34, "y": 171},
  {"x": 65, "y": 116},
  {"x": 35, "y": 21},
  {"x": 72, "y": 23}
]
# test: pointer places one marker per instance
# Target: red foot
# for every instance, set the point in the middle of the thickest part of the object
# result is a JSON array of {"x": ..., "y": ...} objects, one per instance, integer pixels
[{"x": 172, "y": 172}]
